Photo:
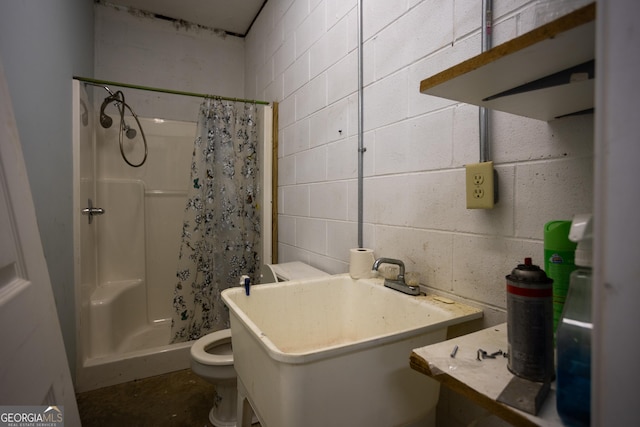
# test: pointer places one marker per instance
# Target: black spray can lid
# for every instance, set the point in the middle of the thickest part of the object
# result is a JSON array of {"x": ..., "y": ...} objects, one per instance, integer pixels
[{"x": 529, "y": 273}]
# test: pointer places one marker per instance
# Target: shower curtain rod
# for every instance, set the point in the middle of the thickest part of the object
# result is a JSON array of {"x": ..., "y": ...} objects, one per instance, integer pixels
[{"x": 96, "y": 82}]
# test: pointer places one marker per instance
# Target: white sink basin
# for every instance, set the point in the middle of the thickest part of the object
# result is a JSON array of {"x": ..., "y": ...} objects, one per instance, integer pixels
[{"x": 335, "y": 351}]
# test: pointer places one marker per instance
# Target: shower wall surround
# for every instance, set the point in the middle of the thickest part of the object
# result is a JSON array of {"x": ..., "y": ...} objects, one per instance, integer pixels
[
  {"x": 144, "y": 228},
  {"x": 149, "y": 52}
]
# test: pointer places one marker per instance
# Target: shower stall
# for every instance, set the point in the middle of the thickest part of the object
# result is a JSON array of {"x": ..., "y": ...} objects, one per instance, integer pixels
[{"x": 130, "y": 189}]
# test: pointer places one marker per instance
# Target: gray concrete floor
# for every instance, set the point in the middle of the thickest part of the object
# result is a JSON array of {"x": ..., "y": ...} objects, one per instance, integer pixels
[{"x": 175, "y": 399}]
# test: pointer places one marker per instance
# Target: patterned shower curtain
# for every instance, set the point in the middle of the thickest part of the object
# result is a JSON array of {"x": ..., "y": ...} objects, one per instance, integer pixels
[{"x": 221, "y": 229}]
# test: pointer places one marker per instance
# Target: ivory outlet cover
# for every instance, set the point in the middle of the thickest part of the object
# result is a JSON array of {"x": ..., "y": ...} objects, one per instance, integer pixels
[{"x": 479, "y": 185}]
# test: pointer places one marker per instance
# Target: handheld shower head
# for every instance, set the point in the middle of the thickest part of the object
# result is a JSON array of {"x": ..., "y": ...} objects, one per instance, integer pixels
[
  {"x": 129, "y": 131},
  {"x": 105, "y": 120},
  {"x": 118, "y": 101}
]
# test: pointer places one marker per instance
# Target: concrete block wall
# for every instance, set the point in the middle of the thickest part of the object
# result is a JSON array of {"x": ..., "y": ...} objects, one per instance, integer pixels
[{"x": 303, "y": 54}]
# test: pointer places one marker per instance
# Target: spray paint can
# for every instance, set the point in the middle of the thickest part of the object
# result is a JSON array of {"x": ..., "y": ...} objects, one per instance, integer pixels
[{"x": 530, "y": 322}]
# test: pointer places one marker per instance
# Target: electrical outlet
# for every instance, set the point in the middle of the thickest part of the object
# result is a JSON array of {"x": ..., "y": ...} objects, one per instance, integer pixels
[{"x": 480, "y": 194}]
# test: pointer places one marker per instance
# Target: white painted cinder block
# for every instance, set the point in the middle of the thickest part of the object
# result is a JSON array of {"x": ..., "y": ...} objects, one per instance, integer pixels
[
  {"x": 338, "y": 9},
  {"x": 341, "y": 78},
  {"x": 287, "y": 112},
  {"x": 297, "y": 75},
  {"x": 295, "y": 200},
  {"x": 342, "y": 159},
  {"x": 520, "y": 139},
  {"x": 466, "y": 135},
  {"x": 330, "y": 48},
  {"x": 281, "y": 200},
  {"x": 352, "y": 24},
  {"x": 386, "y": 101},
  {"x": 265, "y": 77},
  {"x": 341, "y": 236},
  {"x": 329, "y": 200},
  {"x": 296, "y": 138},
  {"x": 505, "y": 30},
  {"x": 287, "y": 229},
  {"x": 482, "y": 262},
  {"x": 273, "y": 42},
  {"x": 284, "y": 56},
  {"x": 421, "y": 200},
  {"x": 311, "y": 165},
  {"x": 311, "y": 97},
  {"x": 378, "y": 14},
  {"x": 419, "y": 144},
  {"x": 294, "y": 16},
  {"x": 311, "y": 234},
  {"x": 549, "y": 191},
  {"x": 337, "y": 124},
  {"x": 318, "y": 128},
  {"x": 426, "y": 252},
  {"x": 273, "y": 91},
  {"x": 467, "y": 17},
  {"x": 277, "y": 9},
  {"x": 420, "y": 32},
  {"x": 310, "y": 30},
  {"x": 287, "y": 170}
]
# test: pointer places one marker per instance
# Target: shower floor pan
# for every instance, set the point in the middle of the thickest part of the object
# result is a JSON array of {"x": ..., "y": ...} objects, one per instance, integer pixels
[{"x": 123, "y": 345}]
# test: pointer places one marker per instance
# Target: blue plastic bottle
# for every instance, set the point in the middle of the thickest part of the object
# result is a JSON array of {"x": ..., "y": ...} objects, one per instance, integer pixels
[{"x": 573, "y": 338}]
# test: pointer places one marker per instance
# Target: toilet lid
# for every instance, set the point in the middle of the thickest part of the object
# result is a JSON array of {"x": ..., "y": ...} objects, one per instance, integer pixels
[
  {"x": 295, "y": 270},
  {"x": 199, "y": 352}
]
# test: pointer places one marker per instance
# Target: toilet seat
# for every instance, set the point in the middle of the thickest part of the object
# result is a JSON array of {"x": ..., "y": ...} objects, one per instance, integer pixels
[{"x": 200, "y": 355}]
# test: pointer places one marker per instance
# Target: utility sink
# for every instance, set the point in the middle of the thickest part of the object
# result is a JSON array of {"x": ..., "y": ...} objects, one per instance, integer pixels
[{"x": 335, "y": 351}]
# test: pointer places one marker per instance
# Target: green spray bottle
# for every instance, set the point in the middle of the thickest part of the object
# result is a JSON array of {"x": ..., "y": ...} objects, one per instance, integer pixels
[{"x": 559, "y": 263}]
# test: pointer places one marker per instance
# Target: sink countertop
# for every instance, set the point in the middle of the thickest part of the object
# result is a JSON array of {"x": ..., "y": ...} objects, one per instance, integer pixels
[{"x": 480, "y": 381}]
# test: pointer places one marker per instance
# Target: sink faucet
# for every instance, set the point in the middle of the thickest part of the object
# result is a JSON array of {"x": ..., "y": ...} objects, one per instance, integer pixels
[{"x": 398, "y": 284}]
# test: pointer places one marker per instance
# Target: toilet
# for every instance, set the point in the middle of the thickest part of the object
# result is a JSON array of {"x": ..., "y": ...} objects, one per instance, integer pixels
[{"x": 212, "y": 355}]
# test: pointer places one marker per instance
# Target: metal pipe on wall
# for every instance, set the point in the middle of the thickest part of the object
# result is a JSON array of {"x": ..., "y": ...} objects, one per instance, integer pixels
[
  {"x": 361, "y": 148},
  {"x": 487, "y": 12}
]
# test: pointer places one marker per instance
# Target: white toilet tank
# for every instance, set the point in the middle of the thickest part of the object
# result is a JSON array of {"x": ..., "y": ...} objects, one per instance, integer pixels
[{"x": 286, "y": 271}]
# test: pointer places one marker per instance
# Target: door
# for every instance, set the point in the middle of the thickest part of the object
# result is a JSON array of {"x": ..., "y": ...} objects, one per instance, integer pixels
[{"x": 33, "y": 365}]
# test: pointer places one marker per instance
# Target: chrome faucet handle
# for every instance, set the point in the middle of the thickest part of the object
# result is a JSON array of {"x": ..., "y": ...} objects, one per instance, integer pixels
[
  {"x": 398, "y": 284},
  {"x": 393, "y": 261},
  {"x": 91, "y": 211}
]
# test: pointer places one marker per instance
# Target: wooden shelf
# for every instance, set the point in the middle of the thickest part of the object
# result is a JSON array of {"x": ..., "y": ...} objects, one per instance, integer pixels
[
  {"x": 480, "y": 381},
  {"x": 550, "y": 49}
]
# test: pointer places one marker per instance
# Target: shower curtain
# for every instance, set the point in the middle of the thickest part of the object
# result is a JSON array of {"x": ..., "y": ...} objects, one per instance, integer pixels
[{"x": 221, "y": 228}]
